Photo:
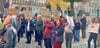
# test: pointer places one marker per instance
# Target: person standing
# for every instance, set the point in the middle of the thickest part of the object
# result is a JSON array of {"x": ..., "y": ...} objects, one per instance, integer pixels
[
  {"x": 6, "y": 6},
  {"x": 98, "y": 38},
  {"x": 49, "y": 26},
  {"x": 68, "y": 35},
  {"x": 10, "y": 33},
  {"x": 77, "y": 31},
  {"x": 35, "y": 19},
  {"x": 92, "y": 36},
  {"x": 83, "y": 26},
  {"x": 74, "y": 27},
  {"x": 22, "y": 29},
  {"x": 29, "y": 31},
  {"x": 39, "y": 29},
  {"x": 59, "y": 30}
]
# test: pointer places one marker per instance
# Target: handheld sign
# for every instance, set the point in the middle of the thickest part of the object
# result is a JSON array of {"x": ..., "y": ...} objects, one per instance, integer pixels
[{"x": 93, "y": 28}]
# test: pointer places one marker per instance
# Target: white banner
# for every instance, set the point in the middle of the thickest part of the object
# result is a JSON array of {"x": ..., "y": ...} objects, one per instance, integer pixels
[
  {"x": 70, "y": 21},
  {"x": 93, "y": 28}
]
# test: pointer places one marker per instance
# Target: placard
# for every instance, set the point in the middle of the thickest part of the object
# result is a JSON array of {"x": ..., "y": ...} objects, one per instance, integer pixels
[
  {"x": 13, "y": 11},
  {"x": 44, "y": 12},
  {"x": 70, "y": 21},
  {"x": 93, "y": 28}
]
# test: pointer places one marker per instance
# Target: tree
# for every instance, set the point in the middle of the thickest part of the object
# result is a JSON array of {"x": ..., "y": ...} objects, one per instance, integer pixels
[{"x": 72, "y": 5}]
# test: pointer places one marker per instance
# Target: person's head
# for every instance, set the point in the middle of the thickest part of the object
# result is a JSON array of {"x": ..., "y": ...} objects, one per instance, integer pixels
[
  {"x": 69, "y": 9},
  {"x": 72, "y": 17},
  {"x": 97, "y": 20},
  {"x": 28, "y": 20},
  {"x": 59, "y": 22},
  {"x": 49, "y": 20},
  {"x": 35, "y": 15},
  {"x": 21, "y": 17},
  {"x": 9, "y": 14},
  {"x": 77, "y": 21},
  {"x": 83, "y": 15},
  {"x": 39, "y": 17},
  {"x": 0, "y": 12},
  {"x": 93, "y": 20},
  {"x": 6, "y": 0},
  {"x": 8, "y": 20}
]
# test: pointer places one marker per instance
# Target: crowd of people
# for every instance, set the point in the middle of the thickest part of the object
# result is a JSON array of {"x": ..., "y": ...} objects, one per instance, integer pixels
[{"x": 50, "y": 30}]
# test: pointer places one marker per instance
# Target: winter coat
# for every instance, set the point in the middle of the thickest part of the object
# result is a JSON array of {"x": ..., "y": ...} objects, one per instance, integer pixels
[
  {"x": 39, "y": 25},
  {"x": 59, "y": 31},
  {"x": 83, "y": 21},
  {"x": 48, "y": 29}
]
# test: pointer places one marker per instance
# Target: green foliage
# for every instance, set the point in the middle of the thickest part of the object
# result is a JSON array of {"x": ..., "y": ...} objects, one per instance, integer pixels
[{"x": 74, "y": 0}]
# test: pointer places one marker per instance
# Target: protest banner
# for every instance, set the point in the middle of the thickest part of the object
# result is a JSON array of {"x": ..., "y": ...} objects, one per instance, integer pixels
[
  {"x": 93, "y": 28},
  {"x": 45, "y": 12},
  {"x": 70, "y": 21},
  {"x": 13, "y": 11}
]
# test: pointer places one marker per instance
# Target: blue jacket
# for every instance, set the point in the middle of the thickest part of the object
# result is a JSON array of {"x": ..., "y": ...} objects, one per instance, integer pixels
[
  {"x": 77, "y": 26},
  {"x": 59, "y": 31}
]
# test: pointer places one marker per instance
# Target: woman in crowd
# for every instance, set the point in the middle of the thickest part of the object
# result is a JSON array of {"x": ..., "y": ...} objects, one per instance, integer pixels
[
  {"x": 68, "y": 35},
  {"x": 39, "y": 29},
  {"x": 77, "y": 31},
  {"x": 49, "y": 26},
  {"x": 59, "y": 30},
  {"x": 92, "y": 36},
  {"x": 98, "y": 39}
]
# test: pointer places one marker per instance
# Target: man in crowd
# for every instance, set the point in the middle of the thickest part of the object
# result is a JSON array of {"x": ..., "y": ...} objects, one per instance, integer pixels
[
  {"x": 83, "y": 26},
  {"x": 9, "y": 34},
  {"x": 39, "y": 29},
  {"x": 6, "y": 6}
]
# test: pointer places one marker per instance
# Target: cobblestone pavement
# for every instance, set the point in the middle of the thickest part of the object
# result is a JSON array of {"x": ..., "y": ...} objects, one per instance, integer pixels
[{"x": 81, "y": 44}]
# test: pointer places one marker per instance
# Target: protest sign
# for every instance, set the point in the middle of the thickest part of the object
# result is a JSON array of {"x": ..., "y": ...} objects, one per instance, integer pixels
[
  {"x": 70, "y": 20},
  {"x": 13, "y": 11},
  {"x": 45, "y": 12},
  {"x": 93, "y": 28}
]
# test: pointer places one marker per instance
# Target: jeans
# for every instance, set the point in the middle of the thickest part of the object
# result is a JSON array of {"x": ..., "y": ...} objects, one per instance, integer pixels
[
  {"x": 94, "y": 37},
  {"x": 22, "y": 31},
  {"x": 48, "y": 43},
  {"x": 74, "y": 34},
  {"x": 98, "y": 39},
  {"x": 52, "y": 40},
  {"x": 35, "y": 35},
  {"x": 39, "y": 37},
  {"x": 5, "y": 11},
  {"x": 83, "y": 33},
  {"x": 77, "y": 35},
  {"x": 68, "y": 39},
  {"x": 19, "y": 35},
  {"x": 28, "y": 36}
]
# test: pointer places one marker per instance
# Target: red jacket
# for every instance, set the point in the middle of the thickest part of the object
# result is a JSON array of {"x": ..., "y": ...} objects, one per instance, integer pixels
[{"x": 48, "y": 29}]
